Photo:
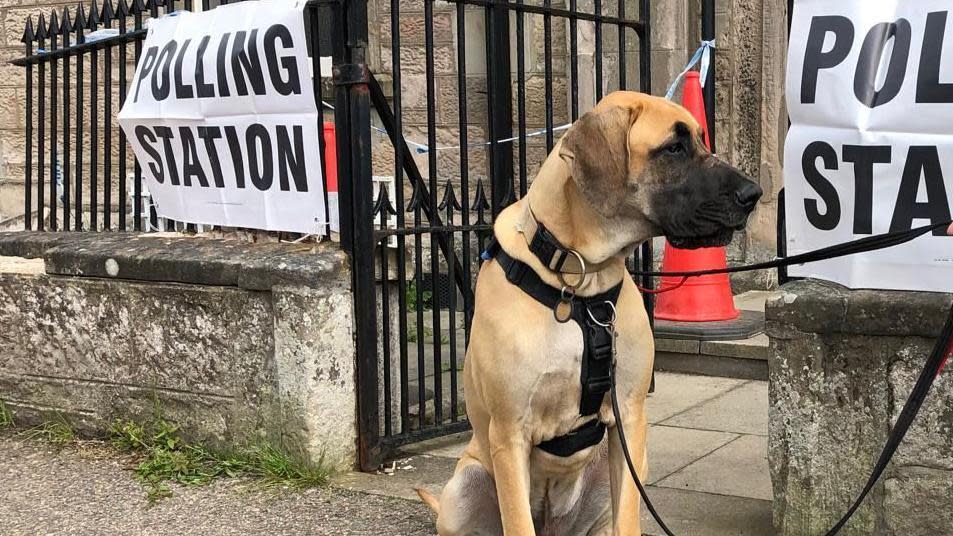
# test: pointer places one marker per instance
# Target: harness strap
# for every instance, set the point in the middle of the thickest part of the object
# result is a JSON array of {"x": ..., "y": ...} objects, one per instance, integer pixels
[
  {"x": 595, "y": 376},
  {"x": 597, "y": 342},
  {"x": 587, "y": 435}
]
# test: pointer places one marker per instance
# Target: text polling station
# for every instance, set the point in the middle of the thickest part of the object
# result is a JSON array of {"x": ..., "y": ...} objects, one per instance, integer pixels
[
  {"x": 870, "y": 148},
  {"x": 222, "y": 118}
]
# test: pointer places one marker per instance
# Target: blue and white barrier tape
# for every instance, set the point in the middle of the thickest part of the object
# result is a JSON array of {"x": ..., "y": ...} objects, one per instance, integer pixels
[
  {"x": 703, "y": 54},
  {"x": 423, "y": 148}
]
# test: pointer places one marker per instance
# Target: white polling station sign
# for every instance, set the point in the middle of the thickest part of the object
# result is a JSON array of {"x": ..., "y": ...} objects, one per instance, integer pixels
[
  {"x": 222, "y": 118},
  {"x": 870, "y": 149}
]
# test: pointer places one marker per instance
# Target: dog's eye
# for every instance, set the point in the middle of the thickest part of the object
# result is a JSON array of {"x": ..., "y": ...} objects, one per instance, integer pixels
[{"x": 675, "y": 149}]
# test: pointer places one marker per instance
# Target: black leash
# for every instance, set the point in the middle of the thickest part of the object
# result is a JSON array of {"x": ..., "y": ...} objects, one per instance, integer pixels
[
  {"x": 911, "y": 407},
  {"x": 862, "y": 245},
  {"x": 628, "y": 457}
]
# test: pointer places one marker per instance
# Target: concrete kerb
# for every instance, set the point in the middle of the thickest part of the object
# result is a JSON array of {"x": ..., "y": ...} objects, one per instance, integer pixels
[{"x": 240, "y": 343}]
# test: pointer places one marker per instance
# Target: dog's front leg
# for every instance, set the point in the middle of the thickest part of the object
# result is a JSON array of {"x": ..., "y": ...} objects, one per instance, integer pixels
[
  {"x": 509, "y": 451},
  {"x": 625, "y": 496}
]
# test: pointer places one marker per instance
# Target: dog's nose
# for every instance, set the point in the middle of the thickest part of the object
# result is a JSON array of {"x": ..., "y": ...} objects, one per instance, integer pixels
[{"x": 748, "y": 194}]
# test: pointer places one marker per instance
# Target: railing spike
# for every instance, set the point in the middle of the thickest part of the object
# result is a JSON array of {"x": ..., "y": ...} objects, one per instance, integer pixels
[
  {"x": 383, "y": 204},
  {"x": 480, "y": 202},
  {"x": 414, "y": 203},
  {"x": 107, "y": 14},
  {"x": 92, "y": 21},
  {"x": 41, "y": 28},
  {"x": 122, "y": 9},
  {"x": 137, "y": 7},
  {"x": 79, "y": 22},
  {"x": 54, "y": 28},
  {"x": 28, "y": 33},
  {"x": 66, "y": 25},
  {"x": 449, "y": 198}
]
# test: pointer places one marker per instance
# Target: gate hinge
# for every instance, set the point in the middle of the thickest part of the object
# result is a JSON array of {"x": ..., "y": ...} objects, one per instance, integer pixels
[{"x": 349, "y": 74}]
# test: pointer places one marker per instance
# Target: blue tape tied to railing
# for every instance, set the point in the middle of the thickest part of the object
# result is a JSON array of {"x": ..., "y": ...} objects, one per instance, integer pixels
[{"x": 703, "y": 54}]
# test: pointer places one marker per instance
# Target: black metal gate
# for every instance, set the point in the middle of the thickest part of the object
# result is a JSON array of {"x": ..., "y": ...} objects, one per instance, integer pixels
[{"x": 416, "y": 245}]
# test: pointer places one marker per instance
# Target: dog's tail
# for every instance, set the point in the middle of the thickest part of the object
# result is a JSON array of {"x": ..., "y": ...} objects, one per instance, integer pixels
[{"x": 429, "y": 499}]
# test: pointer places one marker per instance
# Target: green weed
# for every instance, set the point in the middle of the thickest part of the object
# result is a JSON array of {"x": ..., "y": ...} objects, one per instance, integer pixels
[
  {"x": 426, "y": 297},
  {"x": 6, "y": 416},
  {"x": 57, "y": 431},
  {"x": 428, "y": 335},
  {"x": 166, "y": 458}
]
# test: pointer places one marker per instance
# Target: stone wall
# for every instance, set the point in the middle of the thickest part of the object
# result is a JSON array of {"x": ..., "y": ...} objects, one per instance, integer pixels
[
  {"x": 12, "y": 102},
  {"x": 841, "y": 365},
  {"x": 238, "y": 343}
]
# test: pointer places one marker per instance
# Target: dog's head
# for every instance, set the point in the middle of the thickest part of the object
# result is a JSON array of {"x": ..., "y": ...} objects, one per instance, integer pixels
[{"x": 641, "y": 159}]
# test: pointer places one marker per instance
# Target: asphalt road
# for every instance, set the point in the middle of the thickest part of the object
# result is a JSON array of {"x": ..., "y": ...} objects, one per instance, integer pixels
[{"x": 87, "y": 489}]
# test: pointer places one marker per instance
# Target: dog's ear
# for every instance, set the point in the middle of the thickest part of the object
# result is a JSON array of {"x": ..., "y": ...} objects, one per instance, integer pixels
[{"x": 596, "y": 148}]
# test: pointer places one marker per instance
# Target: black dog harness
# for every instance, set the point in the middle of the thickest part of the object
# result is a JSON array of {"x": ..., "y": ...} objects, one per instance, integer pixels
[{"x": 591, "y": 313}]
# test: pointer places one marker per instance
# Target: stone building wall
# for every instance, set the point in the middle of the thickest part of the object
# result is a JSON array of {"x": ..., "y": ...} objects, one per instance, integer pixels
[
  {"x": 13, "y": 93},
  {"x": 670, "y": 49},
  {"x": 13, "y": 13}
]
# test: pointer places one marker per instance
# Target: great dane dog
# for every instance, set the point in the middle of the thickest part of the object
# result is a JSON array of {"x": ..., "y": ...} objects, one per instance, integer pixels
[{"x": 633, "y": 168}]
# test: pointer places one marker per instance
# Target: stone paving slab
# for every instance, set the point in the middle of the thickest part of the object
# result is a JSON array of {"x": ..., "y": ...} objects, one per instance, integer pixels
[
  {"x": 743, "y": 410},
  {"x": 451, "y": 446},
  {"x": 409, "y": 472},
  {"x": 754, "y": 300},
  {"x": 753, "y": 348},
  {"x": 676, "y": 393},
  {"x": 671, "y": 449},
  {"x": 20, "y": 265},
  {"x": 693, "y": 513},
  {"x": 739, "y": 469}
]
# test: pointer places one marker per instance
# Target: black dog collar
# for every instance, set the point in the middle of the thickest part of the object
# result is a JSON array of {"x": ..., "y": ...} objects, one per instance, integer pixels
[{"x": 549, "y": 250}]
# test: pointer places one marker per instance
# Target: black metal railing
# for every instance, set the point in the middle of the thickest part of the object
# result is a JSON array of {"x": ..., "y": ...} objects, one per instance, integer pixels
[{"x": 80, "y": 174}]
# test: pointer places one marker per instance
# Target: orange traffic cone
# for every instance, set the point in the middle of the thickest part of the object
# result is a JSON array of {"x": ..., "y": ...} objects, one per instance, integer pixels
[{"x": 705, "y": 298}]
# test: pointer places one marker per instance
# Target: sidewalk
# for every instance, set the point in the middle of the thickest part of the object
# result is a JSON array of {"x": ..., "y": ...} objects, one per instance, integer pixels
[{"x": 708, "y": 468}]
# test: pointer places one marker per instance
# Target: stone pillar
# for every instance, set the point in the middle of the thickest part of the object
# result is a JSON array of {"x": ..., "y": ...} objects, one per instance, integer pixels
[
  {"x": 751, "y": 120},
  {"x": 841, "y": 365},
  {"x": 672, "y": 46}
]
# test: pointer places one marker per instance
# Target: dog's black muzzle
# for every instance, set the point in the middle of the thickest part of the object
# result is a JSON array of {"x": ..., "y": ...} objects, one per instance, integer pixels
[{"x": 708, "y": 206}]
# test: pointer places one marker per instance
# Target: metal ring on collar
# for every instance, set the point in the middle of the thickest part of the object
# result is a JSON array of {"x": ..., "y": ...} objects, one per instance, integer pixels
[
  {"x": 611, "y": 320},
  {"x": 568, "y": 317},
  {"x": 567, "y": 293},
  {"x": 582, "y": 276},
  {"x": 567, "y": 296}
]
